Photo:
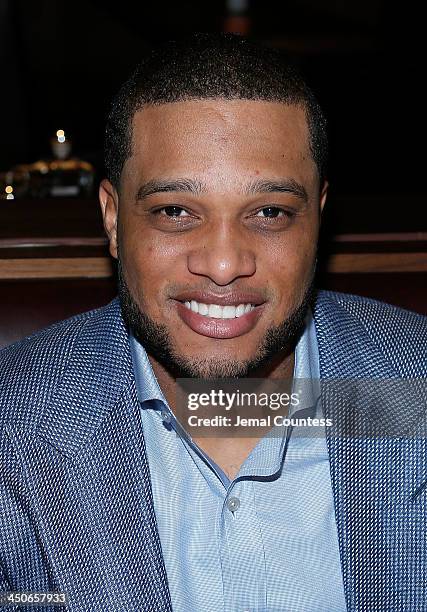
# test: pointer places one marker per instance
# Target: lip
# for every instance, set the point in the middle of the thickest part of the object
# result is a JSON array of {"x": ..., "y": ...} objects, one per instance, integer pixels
[
  {"x": 230, "y": 299},
  {"x": 219, "y": 328}
]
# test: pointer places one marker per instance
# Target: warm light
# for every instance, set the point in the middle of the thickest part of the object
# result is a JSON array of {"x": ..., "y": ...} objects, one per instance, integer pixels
[
  {"x": 60, "y": 134},
  {"x": 8, "y": 189}
]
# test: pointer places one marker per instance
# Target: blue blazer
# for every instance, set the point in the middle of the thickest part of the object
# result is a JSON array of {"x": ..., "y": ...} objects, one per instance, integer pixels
[{"x": 76, "y": 508}]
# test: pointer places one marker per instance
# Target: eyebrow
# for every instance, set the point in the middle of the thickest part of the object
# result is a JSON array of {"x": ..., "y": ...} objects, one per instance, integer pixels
[
  {"x": 281, "y": 186},
  {"x": 194, "y": 187},
  {"x": 178, "y": 185}
]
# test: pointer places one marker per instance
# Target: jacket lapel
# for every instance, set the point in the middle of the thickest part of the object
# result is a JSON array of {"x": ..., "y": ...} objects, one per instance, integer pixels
[
  {"x": 88, "y": 474},
  {"x": 378, "y": 470}
]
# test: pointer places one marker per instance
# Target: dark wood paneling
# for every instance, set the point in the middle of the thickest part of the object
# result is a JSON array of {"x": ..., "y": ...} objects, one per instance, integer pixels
[{"x": 27, "y": 306}]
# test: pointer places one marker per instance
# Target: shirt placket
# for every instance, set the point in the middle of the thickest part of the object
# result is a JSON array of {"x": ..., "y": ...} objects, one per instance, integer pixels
[
  {"x": 240, "y": 542},
  {"x": 242, "y": 550}
]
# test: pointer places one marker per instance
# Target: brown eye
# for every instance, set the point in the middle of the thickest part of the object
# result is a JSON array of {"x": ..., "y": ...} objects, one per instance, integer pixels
[
  {"x": 172, "y": 211},
  {"x": 271, "y": 212}
]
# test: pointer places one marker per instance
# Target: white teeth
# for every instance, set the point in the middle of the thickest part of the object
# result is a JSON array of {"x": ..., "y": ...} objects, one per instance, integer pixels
[
  {"x": 229, "y": 312},
  {"x": 215, "y": 311},
  {"x": 203, "y": 309},
  {"x": 240, "y": 310}
]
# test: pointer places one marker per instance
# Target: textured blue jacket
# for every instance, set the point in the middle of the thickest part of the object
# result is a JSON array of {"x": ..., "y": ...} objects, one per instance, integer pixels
[{"x": 76, "y": 511}]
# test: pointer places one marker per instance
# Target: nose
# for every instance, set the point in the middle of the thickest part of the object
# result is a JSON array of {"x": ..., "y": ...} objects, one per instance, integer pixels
[{"x": 222, "y": 253}]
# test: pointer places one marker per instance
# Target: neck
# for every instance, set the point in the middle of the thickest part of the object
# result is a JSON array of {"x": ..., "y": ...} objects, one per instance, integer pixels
[{"x": 281, "y": 366}]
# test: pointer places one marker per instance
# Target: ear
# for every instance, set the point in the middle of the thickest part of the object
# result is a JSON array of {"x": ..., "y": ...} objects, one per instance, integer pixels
[
  {"x": 323, "y": 195},
  {"x": 109, "y": 200}
]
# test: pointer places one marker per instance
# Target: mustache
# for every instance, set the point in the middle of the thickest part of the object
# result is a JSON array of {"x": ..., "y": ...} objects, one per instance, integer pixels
[{"x": 174, "y": 289}]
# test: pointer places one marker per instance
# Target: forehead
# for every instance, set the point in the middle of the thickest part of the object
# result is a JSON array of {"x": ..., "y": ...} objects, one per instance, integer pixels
[{"x": 220, "y": 136}]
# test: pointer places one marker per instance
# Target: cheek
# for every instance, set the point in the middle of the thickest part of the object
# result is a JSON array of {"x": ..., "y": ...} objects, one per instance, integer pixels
[
  {"x": 293, "y": 254},
  {"x": 289, "y": 269},
  {"x": 148, "y": 251},
  {"x": 150, "y": 265}
]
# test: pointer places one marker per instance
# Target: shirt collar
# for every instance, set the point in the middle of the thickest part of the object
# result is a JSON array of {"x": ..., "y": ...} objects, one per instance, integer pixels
[
  {"x": 147, "y": 384},
  {"x": 306, "y": 367}
]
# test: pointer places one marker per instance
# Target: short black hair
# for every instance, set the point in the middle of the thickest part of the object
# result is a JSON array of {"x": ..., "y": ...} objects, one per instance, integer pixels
[{"x": 212, "y": 65}]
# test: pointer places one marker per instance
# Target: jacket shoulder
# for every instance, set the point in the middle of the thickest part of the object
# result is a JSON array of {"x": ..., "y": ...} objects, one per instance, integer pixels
[
  {"x": 31, "y": 368},
  {"x": 400, "y": 335}
]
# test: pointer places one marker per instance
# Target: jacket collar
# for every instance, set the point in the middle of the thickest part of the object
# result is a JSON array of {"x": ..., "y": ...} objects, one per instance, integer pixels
[
  {"x": 357, "y": 375},
  {"x": 97, "y": 374}
]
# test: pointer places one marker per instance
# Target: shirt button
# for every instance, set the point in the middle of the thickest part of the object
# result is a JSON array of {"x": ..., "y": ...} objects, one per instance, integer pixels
[
  {"x": 166, "y": 416},
  {"x": 233, "y": 504}
]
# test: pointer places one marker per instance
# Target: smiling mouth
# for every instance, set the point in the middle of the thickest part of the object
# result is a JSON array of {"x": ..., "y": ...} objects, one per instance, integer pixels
[
  {"x": 216, "y": 311},
  {"x": 218, "y": 321}
]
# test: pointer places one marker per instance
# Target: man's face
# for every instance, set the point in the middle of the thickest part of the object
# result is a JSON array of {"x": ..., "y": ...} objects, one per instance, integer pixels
[{"x": 216, "y": 227}]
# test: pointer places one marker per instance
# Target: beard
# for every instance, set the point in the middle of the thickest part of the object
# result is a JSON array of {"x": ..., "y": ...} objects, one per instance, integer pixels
[{"x": 279, "y": 340}]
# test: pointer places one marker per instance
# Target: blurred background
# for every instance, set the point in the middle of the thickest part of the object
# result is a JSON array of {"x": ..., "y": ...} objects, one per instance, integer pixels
[{"x": 61, "y": 64}]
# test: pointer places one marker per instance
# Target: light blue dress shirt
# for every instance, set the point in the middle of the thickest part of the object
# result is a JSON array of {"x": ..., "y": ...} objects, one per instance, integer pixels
[{"x": 263, "y": 542}]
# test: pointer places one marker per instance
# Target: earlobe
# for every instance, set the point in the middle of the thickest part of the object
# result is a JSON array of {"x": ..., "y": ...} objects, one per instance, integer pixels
[{"x": 108, "y": 199}]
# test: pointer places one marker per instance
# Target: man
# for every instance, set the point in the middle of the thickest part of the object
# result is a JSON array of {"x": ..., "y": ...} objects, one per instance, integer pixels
[{"x": 215, "y": 154}]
